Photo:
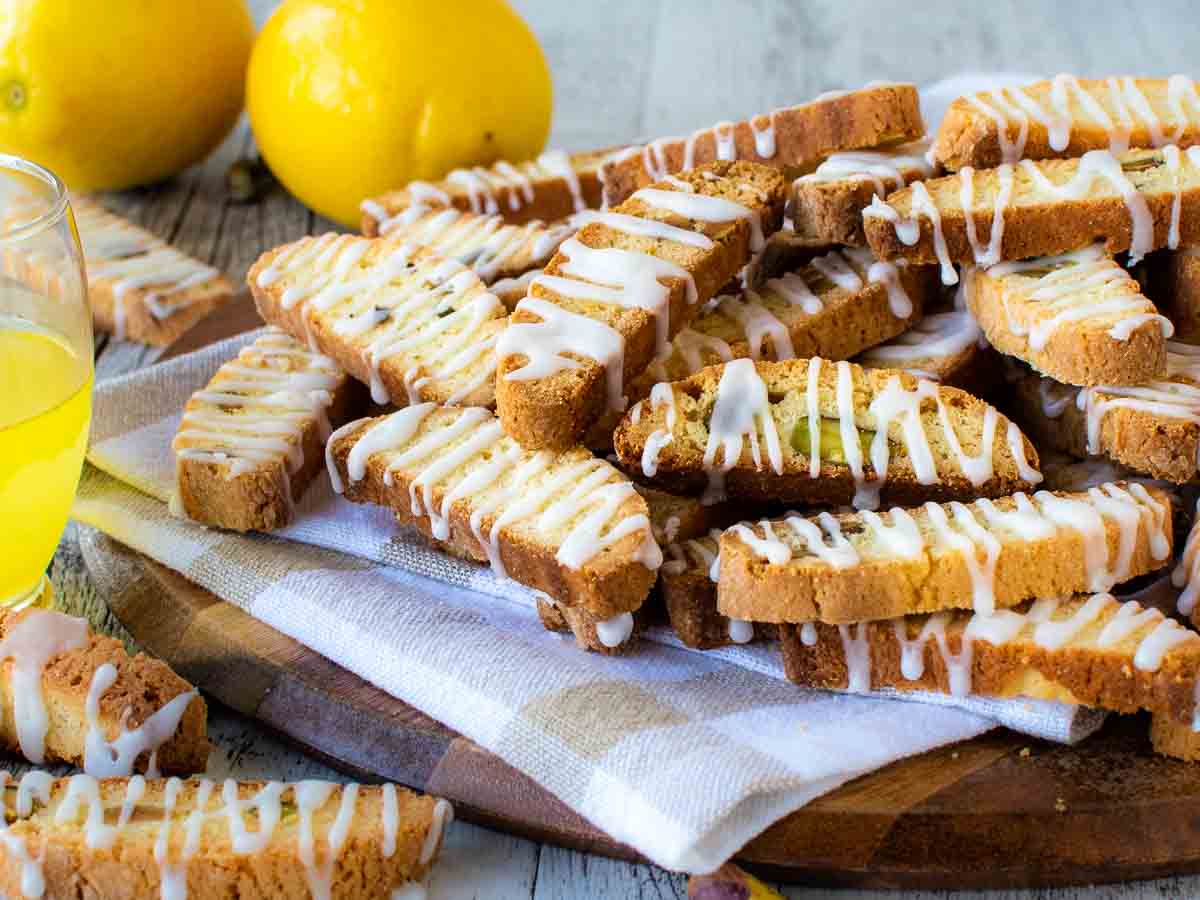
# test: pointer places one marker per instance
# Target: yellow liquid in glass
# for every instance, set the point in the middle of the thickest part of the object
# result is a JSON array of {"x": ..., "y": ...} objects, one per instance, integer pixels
[{"x": 45, "y": 409}]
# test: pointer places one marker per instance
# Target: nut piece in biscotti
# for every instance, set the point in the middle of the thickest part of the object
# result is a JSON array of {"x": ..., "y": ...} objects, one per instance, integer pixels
[
  {"x": 616, "y": 293},
  {"x": 794, "y": 138},
  {"x": 1067, "y": 117},
  {"x": 492, "y": 249},
  {"x": 140, "y": 288},
  {"x": 253, "y": 439},
  {"x": 1090, "y": 650},
  {"x": 811, "y": 431},
  {"x": 1138, "y": 201},
  {"x": 854, "y": 567},
  {"x": 413, "y": 325},
  {"x": 826, "y": 205},
  {"x": 946, "y": 347},
  {"x": 1152, "y": 428},
  {"x": 551, "y": 187},
  {"x": 1173, "y": 738},
  {"x": 202, "y": 839},
  {"x": 1174, "y": 286},
  {"x": 74, "y": 696},
  {"x": 1079, "y": 317},
  {"x": 568, "y": 524}
]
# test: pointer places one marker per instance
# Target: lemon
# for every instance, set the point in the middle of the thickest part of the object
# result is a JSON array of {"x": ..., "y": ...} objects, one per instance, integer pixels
[
  {"x": 349, "y": 98},
  {"x": 121, "y": 92}
]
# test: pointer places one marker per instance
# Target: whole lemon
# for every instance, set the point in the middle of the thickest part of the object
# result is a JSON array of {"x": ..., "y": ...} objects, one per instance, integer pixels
[
  {"x": 121, "y": 92},
  {"x": 349, "y": 98}
]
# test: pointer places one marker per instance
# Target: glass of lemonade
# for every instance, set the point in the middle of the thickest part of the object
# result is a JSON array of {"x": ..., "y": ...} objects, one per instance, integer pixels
[{"x": 45, "y": 374}]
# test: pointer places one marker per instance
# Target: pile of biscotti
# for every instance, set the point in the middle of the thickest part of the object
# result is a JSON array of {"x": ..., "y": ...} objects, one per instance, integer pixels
[{"x": 911, "y": 406}]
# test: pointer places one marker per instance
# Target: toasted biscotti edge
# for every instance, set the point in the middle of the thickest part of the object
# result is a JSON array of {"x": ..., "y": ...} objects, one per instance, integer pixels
[
  {"x": 137, "y": 323},
  {"x": 1179, "y": 740}
]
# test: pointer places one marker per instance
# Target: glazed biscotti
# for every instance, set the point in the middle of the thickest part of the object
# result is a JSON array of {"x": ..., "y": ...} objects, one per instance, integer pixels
[
  {"x": 1079, "y": 317},
  {"x": 946, "y": 347},
  {"x": 616, "y": 293},
  {"x": 74, "y": 696},
  {"x": 414, "y": 326},
  {"x": 1139, "y": 201},
  {"x": 794, "y": 138},
  {"x": 1174, "y": 286},
  {"x": 145, "y": 839},
  {"x": 551, "y": 187},
  {"x": 493, "y": 249},
  {"x": 1170, "y": 737},
  {"x": 1153, "y": 428},
  {"x": 1090, "y": 650},
  {"x": 1065, "y": 117},
  {"x": 569, "y": 524},
  {"x": 826, "y": 205},
  {"x": 817, "y": 432},
  {"x": 253, "y": 439},
  {"x": 990, "y": 554}
]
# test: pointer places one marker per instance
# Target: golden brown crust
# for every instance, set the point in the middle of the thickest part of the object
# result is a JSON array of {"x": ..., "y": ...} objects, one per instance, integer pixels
[
  {"x": 129, "y": 868},
  {"x": 554, "y": 412},
  {"x": 680, "y": 463},
  {"x": 970, "y": 136},
  {"x": 1078, "y": 672},
  {"x": 140, "y": 325},
  {"x": 803, "y": 135},
  {"x": 1174, "y": 286},
  {"x": 946, "y": 347},
  {"x": 1173, "y": 738},
  {"x": 1037, "y": 223},
  {"x": 883, "y": 584}
]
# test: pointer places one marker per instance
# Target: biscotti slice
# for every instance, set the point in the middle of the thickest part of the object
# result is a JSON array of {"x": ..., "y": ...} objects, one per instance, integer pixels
[
  {"x": 1174, "y": 286},
  {"x": 946, "y": 347},
  {"x": 616, "y": 293},
  {"x": 826, "y": 205},
  {"x": 141, "y": 288},
  {"x": 746, "y": 430},
  {"x": 414, "y": 326},
  {"x": 678, "y": 518},
  {"x": 254, "y": 840},
  {"x": 1079, "y": 317},
  {"x": 1170, "y": 737},
  {"x": 511, "y": 291},
  {"x": 551, "y": 187},
  {"x": 253, "y": 439},
  {"x": 1139, "y": 201},
  {"x": 1066, "y": 117},
  {"x": 77, "y": 697},
  {"x": 567, "y": 524},
  {"x": 493, "y": 249},
  {"x": 854, "y": 567},
  {"x": 1153, "y": 428},
  {"x": 795, "y": 137},
  {"x": 1090, "y": 650}
]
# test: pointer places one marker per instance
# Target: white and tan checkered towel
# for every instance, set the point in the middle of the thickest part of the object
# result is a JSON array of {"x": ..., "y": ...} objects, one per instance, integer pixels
[{"x": 681, "y": 754}]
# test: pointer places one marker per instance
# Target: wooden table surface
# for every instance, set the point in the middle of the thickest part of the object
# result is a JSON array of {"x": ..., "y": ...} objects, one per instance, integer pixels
[{"x": 624, "y": 69}]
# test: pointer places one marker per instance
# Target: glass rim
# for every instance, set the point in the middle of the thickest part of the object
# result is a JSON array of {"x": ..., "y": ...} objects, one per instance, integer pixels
[{"x": 47, "y": 219}]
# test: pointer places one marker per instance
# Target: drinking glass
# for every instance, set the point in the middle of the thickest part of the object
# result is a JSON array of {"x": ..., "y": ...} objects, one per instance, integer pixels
[{"x": 45, "y": 374}]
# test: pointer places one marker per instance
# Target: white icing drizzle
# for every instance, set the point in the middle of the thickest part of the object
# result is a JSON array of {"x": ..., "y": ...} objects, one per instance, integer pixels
[
  {"x": 856, "y": 647},
  {"x": 741, "y": 410},
  {"x": 740, "y": 631},
  {"x": 908, "y": 231},
  {"x": 1186, "y": 573},
  {"x": 887, "y": 170},
  {"x": 661, "y": 395},
  {"x": 615, "y": 631},
  {"x": 703, "y": 208},
  {"x": 697, "y": 554},
  {"x": 808, "y": 634},
  {"x": 574, "y": 503},
  {"x": 110, "y": 759},
  {"x": 935, "y": 337}
]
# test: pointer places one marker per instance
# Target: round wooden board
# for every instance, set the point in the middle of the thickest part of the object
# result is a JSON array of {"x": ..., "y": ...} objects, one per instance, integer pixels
[{"x": 984, "y": 813}]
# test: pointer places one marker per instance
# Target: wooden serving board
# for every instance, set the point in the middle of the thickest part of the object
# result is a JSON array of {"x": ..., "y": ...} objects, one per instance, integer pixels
[{"x": 998, "y": 811}]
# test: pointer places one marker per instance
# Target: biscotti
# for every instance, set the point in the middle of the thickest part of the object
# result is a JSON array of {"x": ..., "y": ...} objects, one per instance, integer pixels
[
  {"x": 74, "y": 696},
  {"x": 493, "y": 249},
  {"x": 551, "y": 187},
  {"x": 1139, "y": 201},
  {"x": 145, "y": 839},
  {"x": 826, "y": 205},
  {"x": 616, "y": 293},
  {"x": 1152, "y": 428},
  {"x": 569, "y": 525},
  {"x": 854, "y": 567},
  {"x": 1067, "y": 117},
  {"x": 678, "y": 518},
  {"x": 1186, "y": 574},
  {"x": 253, "y": 439},
  {"x": 946, "y": 347},
  {"x": 1079, "y": 317},
  {"x": 1090, "y": 650},
  {"x": 745, "y": 430},
  {"x": 1170, "y": 737},
  {"x": 1174, "y": 286},
  {"x": 412, "y": 325},
  {"x": 795, "y": 138}
]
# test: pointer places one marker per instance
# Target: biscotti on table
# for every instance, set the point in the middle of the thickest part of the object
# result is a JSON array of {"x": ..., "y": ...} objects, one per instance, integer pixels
[
  {"x": 819, "y": 432},
  {"x": 616, "y": 293},
  {"x": 145, "y": 839},
  {"x": 253, "y": 439}
]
